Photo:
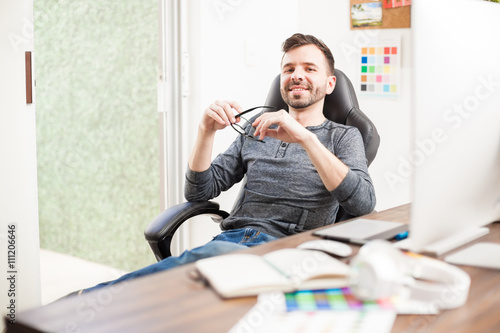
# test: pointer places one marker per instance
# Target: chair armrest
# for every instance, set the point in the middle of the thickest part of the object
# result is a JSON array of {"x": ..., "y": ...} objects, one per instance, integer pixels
[{"x": 160, "y": 231}]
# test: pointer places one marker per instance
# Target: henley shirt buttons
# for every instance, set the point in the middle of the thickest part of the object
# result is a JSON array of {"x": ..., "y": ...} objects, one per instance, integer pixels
[{"x": 282, "y": 150}]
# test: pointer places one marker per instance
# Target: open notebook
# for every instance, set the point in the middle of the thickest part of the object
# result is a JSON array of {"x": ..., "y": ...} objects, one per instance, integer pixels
[{"x": 284, "y": 270}]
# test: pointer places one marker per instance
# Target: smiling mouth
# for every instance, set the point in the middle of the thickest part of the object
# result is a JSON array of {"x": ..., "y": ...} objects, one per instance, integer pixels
[{"x": 298, "y": 89}]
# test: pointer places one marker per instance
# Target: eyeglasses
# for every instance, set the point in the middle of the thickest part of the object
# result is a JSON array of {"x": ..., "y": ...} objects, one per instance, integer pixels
[{"x": 241, "y": 129}]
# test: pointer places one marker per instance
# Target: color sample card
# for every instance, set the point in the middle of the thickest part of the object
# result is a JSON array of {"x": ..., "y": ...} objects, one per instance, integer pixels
[
  {"x": 325, "y": 311},
  {"x": 338, "y": 299},
  {"x": 380, "y": 69}
]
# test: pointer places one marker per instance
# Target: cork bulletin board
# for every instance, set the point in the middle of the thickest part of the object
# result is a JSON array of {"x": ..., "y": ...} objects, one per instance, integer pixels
[{"x": 384, "y": 14}]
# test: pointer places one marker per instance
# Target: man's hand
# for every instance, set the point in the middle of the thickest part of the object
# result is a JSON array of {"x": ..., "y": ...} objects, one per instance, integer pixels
[
  {"x": 287, "y": 128},
  {"x": 331, "y": 170},
  {"x": 219, "y": 115}
]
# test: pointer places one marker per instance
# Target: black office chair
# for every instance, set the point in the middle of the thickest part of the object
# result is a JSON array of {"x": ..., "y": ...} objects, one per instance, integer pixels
[{"x": 341, "y": 106}]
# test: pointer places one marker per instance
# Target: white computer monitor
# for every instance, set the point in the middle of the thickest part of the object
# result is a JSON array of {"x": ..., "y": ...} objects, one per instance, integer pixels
[{"x": 456, "y": 122}]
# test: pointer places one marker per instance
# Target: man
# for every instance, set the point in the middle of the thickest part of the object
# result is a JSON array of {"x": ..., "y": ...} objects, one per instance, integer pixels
[{"x": 295, "y": 179}]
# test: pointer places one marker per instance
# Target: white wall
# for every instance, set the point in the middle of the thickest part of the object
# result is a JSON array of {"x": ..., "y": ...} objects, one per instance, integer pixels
[
  {"x": 18, "y": 189},
  {"x": 235, "y": 52}
]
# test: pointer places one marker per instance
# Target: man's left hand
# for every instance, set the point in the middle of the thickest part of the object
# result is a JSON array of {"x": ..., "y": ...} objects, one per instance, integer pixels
[{"x": 287, "y": 128}]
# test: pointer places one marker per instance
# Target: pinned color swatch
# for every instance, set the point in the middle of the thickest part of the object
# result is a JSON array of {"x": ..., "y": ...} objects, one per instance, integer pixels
[{"x": 379, "y": 70}]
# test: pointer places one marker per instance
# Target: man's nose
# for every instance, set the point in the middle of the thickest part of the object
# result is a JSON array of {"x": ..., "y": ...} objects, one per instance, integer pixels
[{"x": 298, "y": 75}]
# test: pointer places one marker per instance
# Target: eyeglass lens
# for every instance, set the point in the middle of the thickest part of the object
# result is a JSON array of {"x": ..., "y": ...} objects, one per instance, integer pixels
[{"x": 238, "y": 128}]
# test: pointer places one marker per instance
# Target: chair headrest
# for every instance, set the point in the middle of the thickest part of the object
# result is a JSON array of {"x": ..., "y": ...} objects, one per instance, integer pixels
[{"x": 342, "y": 107}]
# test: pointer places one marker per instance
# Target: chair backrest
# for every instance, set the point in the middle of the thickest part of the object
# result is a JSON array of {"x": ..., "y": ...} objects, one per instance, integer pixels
[{"x": 342, "y": 107}]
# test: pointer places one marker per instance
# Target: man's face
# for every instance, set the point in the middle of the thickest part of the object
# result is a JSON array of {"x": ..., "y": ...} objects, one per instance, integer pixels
[{"x": 304, "y": 77}]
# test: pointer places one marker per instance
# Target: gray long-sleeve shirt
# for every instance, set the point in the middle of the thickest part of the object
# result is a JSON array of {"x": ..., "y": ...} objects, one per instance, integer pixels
[{"x": 284, "y": 193}]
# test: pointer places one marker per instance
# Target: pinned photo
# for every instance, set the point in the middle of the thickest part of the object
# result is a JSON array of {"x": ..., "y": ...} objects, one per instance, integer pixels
[{"x": 366, "y": 15}]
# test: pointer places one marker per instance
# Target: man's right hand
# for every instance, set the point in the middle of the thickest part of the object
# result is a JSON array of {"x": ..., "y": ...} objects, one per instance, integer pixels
[{"x": 219, "y": 115}]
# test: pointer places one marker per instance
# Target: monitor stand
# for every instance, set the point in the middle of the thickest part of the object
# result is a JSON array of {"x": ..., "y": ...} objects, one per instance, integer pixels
[{"x": 446, "y": 244}]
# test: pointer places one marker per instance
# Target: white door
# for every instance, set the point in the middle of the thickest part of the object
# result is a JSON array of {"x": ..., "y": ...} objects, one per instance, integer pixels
[{"x": 19, "y": 245}]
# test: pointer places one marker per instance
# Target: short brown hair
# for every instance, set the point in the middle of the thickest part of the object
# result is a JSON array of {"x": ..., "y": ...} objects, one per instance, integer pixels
[{"x": 298, "y": 39}]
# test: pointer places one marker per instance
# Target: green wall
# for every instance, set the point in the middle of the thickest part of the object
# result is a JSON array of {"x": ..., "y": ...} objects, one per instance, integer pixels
[{"x": 97, "y": 128}]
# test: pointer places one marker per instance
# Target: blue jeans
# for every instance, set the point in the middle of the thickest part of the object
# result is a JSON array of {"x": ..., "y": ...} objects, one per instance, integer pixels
[{"x": 227, "y": 241}]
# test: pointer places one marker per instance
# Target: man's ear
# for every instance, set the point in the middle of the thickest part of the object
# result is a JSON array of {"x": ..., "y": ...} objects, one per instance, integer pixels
[{"x": 330, "y": 84}]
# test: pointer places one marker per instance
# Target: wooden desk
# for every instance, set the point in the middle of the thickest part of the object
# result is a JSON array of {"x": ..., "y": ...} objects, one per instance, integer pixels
[{"x": 172, "y": 302}]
